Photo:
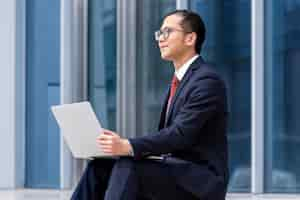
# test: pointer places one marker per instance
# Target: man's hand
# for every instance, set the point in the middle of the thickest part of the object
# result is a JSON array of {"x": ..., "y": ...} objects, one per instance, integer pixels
[{"x": 111, "y": 143}]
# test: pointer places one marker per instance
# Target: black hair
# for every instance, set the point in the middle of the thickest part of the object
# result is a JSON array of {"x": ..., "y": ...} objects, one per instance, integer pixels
[{"x": 191, "y": 22}]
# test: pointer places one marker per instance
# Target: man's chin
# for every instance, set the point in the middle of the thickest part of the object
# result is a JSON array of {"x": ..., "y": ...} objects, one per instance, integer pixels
[{"x": 165, "y": 57}]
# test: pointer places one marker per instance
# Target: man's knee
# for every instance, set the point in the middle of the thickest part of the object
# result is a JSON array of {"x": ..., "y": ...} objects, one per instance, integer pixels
[
  {"x": 90, "y": 169},
  {"x": 123, "y": 180},
  {"x": 124, "y": 162},
  {"x": 123, "y": 167},
  {"x": 99, "y": 167}
]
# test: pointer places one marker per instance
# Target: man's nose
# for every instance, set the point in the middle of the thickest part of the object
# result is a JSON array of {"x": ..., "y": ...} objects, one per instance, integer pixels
[{"x": 161, "y": 38}]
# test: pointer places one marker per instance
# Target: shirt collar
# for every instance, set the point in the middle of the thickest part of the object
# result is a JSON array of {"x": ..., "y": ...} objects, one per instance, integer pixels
[{"x": 183, "y": 69}]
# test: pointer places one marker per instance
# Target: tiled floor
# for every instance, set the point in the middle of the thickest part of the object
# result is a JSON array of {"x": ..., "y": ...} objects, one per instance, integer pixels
[
  {"x": 34, "y": 195},
  {"x": 65, "y": 195},
  {"x": 262, "y": 197}
]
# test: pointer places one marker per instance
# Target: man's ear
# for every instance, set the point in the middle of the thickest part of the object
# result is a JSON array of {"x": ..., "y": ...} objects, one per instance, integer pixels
[{"x": 190, "y": 39}]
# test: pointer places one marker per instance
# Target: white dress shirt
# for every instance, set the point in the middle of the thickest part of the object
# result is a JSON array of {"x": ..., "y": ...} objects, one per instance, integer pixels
[{"x": 183, "y": 69}]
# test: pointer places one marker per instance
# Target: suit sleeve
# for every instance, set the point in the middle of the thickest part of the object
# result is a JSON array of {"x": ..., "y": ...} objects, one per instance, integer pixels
[{"x": 202, "y": 103}]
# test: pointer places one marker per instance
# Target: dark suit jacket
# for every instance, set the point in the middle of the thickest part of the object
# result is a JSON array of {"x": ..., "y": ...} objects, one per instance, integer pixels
[{"x": 194, "y": 132}]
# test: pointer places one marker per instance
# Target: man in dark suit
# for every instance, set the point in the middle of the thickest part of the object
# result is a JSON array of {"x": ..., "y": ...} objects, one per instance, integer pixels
[{"x": 191, "y": 143}]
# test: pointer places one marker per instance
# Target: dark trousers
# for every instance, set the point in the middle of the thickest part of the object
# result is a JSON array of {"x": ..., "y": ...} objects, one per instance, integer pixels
[{"x": 128, "y": 179}]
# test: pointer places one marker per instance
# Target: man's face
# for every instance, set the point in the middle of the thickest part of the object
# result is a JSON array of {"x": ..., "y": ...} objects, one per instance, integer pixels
[{"x": 172, "y": 47}]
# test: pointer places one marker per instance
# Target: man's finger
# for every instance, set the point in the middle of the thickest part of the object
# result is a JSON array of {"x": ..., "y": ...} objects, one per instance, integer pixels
[
  {"x": 108, "y": 132},
  {"x": 104, "y": 147},
  {"x": 108, "y": 152},
  {"x": 105, "y": 142},
  {"x": 104, "y": 137}
]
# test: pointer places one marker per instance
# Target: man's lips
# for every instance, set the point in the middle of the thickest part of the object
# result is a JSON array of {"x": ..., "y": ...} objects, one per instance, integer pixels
[{"x": 162, "y": 47}]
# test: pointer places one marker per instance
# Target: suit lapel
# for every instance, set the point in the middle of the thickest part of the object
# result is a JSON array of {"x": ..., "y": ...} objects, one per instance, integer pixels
[
  {"x": 163, "y": 111},
  {"x": 183, "y": 82}
]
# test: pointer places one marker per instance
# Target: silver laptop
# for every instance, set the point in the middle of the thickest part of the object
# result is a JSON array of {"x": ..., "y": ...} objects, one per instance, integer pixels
[{"x": 80, "y": 128}]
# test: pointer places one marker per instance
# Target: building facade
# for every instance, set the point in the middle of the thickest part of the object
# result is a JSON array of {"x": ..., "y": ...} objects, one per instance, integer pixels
[{"x": 64, "y": 51}]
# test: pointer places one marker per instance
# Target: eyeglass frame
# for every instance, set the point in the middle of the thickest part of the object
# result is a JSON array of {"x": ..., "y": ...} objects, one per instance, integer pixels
[{"x": 166, "y": 32}]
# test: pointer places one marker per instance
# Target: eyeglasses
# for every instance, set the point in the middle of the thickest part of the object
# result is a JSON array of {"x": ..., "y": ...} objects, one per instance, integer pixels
[{"x": 166, "y": 33}]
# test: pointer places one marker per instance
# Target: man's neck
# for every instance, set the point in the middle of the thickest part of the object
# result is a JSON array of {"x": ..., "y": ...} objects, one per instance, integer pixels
[{"x": 183, "y": 59}]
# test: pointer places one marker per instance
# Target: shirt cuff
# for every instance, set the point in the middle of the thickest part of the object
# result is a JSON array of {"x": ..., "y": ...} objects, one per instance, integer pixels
[{"x": 131, "y": 153}]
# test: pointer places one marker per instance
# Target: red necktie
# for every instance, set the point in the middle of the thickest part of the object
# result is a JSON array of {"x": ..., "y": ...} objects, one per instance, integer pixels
[{"x": 174, "y": 85}]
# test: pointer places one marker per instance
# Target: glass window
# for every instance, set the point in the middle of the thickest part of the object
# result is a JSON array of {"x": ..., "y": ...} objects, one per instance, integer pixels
[
  {"x": 102, "y": 49},
  {"x": 227, "y": 46},
  {"x": 153, "y": 75},
  {"x": 42, "y": 91},
  {"x": 282, "y": 96}
]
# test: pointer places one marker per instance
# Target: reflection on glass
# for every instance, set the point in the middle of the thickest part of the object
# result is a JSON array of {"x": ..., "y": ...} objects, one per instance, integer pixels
[
  {"x": 102, "y": 60},
  {"x": 227, "y": 46},
  {"x": 42, "y": 145},
  {"x": 282, "y": 96},
  {"x": 153, "y": 74}
]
